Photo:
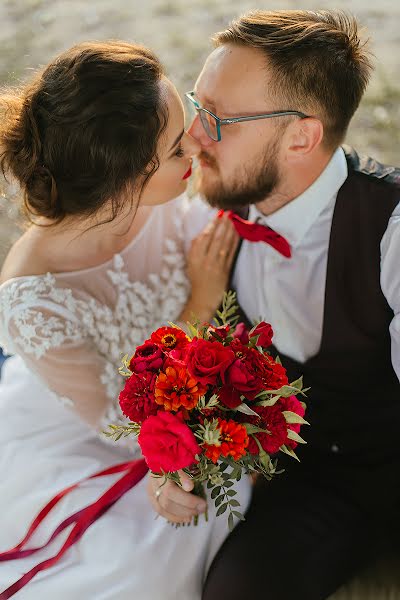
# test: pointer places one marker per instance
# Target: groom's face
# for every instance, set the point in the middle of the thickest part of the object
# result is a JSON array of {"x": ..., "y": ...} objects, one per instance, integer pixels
[{"x": 243, "y": 167}]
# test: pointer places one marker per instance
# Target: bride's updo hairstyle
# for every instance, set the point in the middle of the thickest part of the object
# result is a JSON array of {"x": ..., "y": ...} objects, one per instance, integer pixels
[{"x": 84, "y": 132}]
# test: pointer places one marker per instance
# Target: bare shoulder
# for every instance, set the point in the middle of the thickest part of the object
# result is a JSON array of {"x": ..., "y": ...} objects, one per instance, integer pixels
[{"x": 26, "y": 257}]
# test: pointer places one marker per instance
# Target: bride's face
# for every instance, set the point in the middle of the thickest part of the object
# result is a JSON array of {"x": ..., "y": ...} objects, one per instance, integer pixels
[{"x": 175, "y": 151}]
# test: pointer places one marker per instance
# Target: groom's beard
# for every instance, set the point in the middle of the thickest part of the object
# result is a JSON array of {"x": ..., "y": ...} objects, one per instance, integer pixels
[{"x": 253, "y": 184}]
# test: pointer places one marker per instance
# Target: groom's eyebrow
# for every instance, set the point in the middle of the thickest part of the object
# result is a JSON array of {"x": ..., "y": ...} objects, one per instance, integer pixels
[{"x": 178, "y": 139}]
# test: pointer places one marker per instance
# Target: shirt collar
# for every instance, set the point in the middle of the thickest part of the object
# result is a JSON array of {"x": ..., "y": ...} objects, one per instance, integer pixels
[{"x": 296, "y": 217}]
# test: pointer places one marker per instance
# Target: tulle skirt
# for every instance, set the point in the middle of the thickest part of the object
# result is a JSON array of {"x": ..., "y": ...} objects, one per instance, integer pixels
[{"x": 128, "y": 553}]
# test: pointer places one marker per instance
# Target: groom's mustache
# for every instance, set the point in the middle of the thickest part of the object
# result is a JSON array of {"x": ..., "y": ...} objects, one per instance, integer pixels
[{"x": 207, "y": 158}]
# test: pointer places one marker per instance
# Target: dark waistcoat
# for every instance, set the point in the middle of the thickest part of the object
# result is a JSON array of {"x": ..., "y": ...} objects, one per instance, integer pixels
[{"x": 354, "y": 400}]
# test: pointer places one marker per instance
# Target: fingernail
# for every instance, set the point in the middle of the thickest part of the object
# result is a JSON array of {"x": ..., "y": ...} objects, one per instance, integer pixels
[
  {"x": 201, "y": 507},
  {"x": 187, "y": 486}
]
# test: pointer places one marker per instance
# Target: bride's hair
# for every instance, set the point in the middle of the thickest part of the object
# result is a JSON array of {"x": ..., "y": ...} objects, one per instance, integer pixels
[{"x": 85, "y": 131}]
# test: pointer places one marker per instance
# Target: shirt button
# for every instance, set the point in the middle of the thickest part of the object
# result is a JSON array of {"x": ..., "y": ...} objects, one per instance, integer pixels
[{"x": 335, "y": 448}]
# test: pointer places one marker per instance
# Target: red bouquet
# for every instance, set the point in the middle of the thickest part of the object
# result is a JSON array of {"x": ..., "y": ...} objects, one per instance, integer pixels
[{"x": 213, "y": 402}]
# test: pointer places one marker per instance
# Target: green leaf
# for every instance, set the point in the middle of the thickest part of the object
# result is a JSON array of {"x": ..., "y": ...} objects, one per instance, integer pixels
[
  {"x": 289, "y": 452},
  {"x": 231, "y": 493},
  {"x": 228, "y": 483},
  {"x": 298, "y": 383},
  {"x": 292, "y": 417},
  {"x": 238, "y": 515},
  {"x": 215, "y": 491},
  {"x": 234, "y": 502},
  {"x": 269, "y": 402},
  {"x": 222, "y": 509},
  {"x": 219, "y": 500},
  {"x": 254, "y": 429},
  {"x": 245, "y": 409},
  {"x": 292, "y": 435},
  {"x": 230, "y": 522}
]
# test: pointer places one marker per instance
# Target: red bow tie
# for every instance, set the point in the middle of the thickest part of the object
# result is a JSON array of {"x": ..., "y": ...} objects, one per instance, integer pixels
[{"x": 255, "y": 232}]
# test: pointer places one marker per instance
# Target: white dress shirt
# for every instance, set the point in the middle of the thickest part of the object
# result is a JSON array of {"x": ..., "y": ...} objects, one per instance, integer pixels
[{"x": 289, "y": 293}]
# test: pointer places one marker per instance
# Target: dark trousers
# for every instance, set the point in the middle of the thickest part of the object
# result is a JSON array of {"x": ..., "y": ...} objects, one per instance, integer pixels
[{"x": 307, "y": 532}]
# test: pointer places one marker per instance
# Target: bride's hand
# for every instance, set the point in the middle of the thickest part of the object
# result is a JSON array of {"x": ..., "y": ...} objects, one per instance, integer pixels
[
  {"x": 209, "y": 264},
  {"x": 172, "y": 502}
]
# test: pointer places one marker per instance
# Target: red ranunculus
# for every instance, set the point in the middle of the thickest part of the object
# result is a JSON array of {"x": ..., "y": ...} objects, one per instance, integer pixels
[
  {"x": 167, "y": 443},
  {"x": 295, "y": 406},
  {"x": 271, "y": 419},
  {"x": 148, "y": 357},
  {"x": 207, "y": 361},
  {"x": 245, "y": 373},
  {"x": 263, "y": 331},
  {"x": 169, "y": 338},
  {"x": 137, "y": 399},
  {"x": 241, "y": 333}
]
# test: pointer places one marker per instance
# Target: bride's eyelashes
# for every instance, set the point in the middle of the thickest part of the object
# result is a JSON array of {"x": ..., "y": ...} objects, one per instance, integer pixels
[{"x": 180, "y": 151}]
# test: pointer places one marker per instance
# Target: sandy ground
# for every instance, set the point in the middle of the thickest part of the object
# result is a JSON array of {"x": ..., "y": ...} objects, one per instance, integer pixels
[{"x": 33, "y": 31}]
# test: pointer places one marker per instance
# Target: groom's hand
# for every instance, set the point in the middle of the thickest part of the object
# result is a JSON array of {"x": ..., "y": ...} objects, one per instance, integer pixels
[{"x": 175, "y": 503}]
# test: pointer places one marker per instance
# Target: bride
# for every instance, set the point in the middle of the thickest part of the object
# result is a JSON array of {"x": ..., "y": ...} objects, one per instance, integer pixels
[{"x": 97, "y": 144}]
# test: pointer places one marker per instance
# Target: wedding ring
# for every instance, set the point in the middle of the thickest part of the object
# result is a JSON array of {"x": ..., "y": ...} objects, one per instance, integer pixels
[{"x": 157, "y": 494}]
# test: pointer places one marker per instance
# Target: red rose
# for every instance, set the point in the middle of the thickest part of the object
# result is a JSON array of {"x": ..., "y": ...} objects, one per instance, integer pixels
[
  {"x": 271, "y": 419},
  {"x": 294, "y": 406},
  {"x": 167, "y": 443},
  {"x": 137, "y": 399},
  {"x": 241, "y": 333},
  {"x": 169, "y": 338},
  {"x": 148, "y": 357},
  {"x": 263, "y": 331},
  {"x": 274, "y": 375},
  {"x": 206, "y": 361},
  {"x": 245, "y": 373}
]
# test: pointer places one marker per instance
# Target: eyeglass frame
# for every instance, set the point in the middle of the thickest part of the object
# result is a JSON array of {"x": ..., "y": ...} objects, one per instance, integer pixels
[{"x": 229, "y": 121}]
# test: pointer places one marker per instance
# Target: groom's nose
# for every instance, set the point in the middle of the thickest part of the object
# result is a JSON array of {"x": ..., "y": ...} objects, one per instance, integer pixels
[{"x": 196, "y": 130}]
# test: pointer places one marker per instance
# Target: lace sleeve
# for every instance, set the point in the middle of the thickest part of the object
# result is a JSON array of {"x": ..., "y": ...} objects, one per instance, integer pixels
[{"x": 42, "y": 324}]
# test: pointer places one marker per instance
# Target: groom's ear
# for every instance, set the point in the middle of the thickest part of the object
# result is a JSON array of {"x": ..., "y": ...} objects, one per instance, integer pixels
[{"x": 303, "y": 136}]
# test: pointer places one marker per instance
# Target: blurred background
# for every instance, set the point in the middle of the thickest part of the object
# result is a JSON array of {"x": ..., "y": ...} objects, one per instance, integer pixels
[{"x": 33, "y": 31}]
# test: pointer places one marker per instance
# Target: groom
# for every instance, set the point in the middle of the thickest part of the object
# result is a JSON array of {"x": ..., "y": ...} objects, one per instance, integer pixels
[{"x": 334, "y": 304}]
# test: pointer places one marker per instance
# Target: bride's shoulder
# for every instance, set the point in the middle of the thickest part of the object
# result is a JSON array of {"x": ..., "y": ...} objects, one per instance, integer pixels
[{"x": 25, "y": 258}]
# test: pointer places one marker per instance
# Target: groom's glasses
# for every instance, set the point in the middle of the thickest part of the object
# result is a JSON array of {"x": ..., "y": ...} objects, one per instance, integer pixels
[{"x": 212, "y": 124}]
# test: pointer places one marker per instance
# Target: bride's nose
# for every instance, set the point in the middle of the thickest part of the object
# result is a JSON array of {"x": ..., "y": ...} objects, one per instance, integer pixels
[{"x": 192, "y": 146}]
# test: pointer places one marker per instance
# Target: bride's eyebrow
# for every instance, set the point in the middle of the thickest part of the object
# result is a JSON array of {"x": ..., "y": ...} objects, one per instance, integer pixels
[{"x": 177, "y": 140}]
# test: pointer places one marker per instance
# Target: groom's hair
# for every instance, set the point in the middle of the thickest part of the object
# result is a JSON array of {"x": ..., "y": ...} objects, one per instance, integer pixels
[
  {"x": 84, "y": 131},
  {"x": 318, "y": 62}
]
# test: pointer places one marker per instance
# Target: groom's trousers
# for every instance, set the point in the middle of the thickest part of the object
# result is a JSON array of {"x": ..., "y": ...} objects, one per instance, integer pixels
[{"x": 309, "y": 530}]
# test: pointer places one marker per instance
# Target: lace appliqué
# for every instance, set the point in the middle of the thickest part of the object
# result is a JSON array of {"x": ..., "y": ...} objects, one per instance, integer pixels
[{"x": 141, "y": 307}]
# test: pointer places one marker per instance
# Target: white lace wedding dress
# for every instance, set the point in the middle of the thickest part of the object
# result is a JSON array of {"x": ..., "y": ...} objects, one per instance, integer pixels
[{"x": 68, "y": 332}]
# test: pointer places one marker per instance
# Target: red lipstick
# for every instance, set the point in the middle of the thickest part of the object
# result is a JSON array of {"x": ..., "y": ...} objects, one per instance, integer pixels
[{"x": 188, "y": 173}]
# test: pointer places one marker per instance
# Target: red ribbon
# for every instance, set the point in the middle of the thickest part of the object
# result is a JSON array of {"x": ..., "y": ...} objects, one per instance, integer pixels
[
  {"x": 133, "y": 470},
  {"x": 256, "y": 232}
]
